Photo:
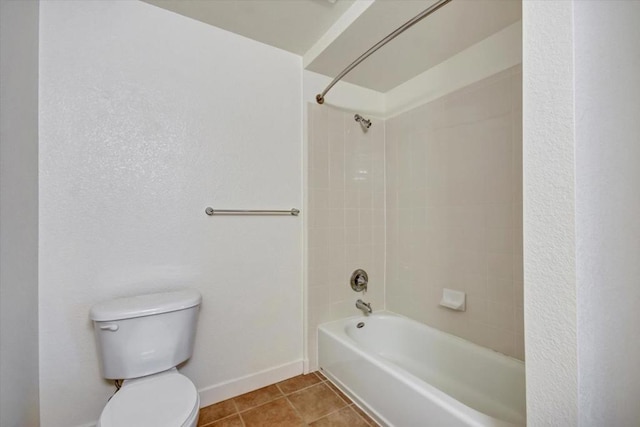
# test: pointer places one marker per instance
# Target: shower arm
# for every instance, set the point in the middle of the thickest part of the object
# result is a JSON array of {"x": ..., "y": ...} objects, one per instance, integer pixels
[{"x": 428, "y": 11}]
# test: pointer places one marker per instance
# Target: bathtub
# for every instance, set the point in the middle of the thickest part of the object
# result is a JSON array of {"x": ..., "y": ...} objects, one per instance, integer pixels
[{"x": 405, "y": 374}]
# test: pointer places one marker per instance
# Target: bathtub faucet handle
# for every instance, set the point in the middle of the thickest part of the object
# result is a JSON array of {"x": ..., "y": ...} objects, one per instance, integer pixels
[
  {"x": 359, "y": 280},
  {"x": 364, "y": 306},
  {"x": 362, "y": 283}
]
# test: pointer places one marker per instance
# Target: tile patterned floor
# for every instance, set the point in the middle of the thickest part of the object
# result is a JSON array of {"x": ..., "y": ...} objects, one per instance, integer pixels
[{"x": 305, "y": 400}]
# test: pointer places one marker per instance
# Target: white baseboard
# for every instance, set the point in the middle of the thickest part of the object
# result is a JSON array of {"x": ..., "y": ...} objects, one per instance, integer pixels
[{"x": 228, "y": 389}]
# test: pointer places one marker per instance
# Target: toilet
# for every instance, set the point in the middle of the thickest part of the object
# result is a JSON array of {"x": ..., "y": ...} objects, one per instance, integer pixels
[{"x": 142, "y": 340}]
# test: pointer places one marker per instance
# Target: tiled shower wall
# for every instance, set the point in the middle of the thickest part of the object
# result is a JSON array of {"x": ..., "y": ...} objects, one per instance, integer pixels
[
  {"x": 454, "y": 212},
  {"x": 346, "y": 222}
]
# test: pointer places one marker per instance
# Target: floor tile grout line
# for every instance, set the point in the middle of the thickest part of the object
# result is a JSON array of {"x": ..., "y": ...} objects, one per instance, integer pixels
[
  {"x": 360, "y": 416},
  {"x": 321, "y": 380},
  {"x": 219, "y": 419},
  {"x": 336, "y": 393},
  {"x": 346, "y": 404},
  {"x": 352, "y": 408},
  {"x": 279, "y": 389},
  {"x": 320, "y": 375},
  {"x": 275, "y": 398},
  {"x": 304, "y": 422},
  {"x": 304, "y": 388},
  {"x": 350, "y": 403},
  {"x": 235, "y": 405},
  {"x": 261, "y": 404},
  {"x": 237, "y": 411},
  {"x": 331, "y": 413},
  {"x": 365, "y": 420}
]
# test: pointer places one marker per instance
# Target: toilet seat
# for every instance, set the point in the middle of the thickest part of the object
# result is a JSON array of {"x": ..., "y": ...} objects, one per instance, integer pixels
[{"x": 168, "y": 399}]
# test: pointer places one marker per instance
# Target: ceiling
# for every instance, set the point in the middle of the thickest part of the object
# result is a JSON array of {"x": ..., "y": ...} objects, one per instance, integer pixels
[
  {"x": 293, "y": 25},
  {"x": 297, "y": 25},
  {"x": 451, "y": 29}
]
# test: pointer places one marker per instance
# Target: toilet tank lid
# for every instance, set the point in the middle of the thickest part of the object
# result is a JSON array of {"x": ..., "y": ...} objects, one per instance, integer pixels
[{"x": 144, "y": 305}]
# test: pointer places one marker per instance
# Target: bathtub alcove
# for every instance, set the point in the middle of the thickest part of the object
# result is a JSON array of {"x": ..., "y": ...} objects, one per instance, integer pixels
[
  {"x": 424, "y": 194},
  {"x": 426, "y": 200},
  {"x": 404, "y": 373}
]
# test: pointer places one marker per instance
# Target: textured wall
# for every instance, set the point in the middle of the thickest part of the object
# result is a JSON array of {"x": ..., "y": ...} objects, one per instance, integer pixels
[
  {"x": 346, "y": 216},
  {"x": 454, "y": 211},
  {"x": 148, "y": 117},
  {"x": 607, "y": 66},
  {"x": 19, "y": 212},
  {"x": 549, "y": 214}
]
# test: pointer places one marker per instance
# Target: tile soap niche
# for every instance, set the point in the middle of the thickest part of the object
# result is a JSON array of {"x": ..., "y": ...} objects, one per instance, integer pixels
[{"x": 454, "y": 300}]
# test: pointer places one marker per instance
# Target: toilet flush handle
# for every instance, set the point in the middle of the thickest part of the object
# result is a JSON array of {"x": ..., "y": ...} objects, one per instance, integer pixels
[{"x": 111, "y": 327}]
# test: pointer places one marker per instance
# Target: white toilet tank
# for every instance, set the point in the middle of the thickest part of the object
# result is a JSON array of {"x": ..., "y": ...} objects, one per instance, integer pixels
[{"x": 145, "y": 334}]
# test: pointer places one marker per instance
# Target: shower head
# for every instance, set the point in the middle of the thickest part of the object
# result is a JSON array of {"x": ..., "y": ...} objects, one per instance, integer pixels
[{"x": 366, "y": 124}]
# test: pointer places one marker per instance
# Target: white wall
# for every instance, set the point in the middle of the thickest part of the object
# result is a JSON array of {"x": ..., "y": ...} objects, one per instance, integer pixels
[
  {"x": 607, "y": 66},
  {"x": 581, "y": 258},
  {"x": 148, "y": 117},
  {"x": 19, "y": 214},
  {"x": 549, "y": 238}
]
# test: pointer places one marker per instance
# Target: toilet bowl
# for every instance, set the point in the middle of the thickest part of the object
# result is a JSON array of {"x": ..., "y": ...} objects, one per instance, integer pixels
[
  {"x": 168, "y": 399},
  {"x": 141, "y": 340}
]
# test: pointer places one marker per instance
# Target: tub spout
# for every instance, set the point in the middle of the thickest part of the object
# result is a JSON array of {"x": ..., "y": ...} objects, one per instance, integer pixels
[{"x": 364, "y": 306}]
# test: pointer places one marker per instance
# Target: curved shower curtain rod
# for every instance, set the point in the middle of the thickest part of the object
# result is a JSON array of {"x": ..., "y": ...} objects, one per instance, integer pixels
[{"x": 428, "y": 11}]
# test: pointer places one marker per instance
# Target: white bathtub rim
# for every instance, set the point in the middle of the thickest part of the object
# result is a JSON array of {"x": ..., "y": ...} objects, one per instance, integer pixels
[{"x": 470, "y": 415}]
